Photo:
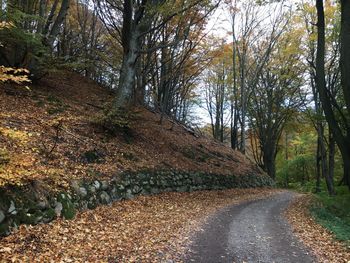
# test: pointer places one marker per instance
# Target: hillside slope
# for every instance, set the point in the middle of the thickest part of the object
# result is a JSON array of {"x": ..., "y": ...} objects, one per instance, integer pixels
[
  {"x": 48, "y": 133},
  {"x": 57, "y": 157}
]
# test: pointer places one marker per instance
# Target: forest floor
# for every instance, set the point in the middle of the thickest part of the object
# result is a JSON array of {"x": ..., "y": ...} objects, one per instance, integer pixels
[
  {"x": 52, "y": 133},
  {"x": 183, "y": 227},
  {"x": 321, "y": 241},
  {"x": 145, "y": 229}
]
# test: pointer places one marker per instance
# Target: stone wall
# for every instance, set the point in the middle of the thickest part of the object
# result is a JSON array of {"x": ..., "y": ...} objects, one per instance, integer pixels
[{"x": 20, "y": 206}]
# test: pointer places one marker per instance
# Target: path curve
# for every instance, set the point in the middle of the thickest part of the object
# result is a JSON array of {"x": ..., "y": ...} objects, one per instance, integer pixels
[{"x": 254, "y": 231}]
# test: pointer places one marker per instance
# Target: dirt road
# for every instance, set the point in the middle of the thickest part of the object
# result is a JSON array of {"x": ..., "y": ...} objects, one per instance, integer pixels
[{"x": 250, "y": 232}]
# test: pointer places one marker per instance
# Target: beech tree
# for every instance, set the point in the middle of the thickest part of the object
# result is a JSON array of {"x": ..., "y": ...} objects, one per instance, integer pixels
[
  {"x": 131, "y": 21},
  {"x": 275, "y": 99},
  {"x": 325, "y": 151},
  {"x": 337, "y": 118}
]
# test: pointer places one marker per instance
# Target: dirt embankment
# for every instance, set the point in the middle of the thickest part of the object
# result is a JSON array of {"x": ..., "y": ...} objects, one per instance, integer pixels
[{"x": 48, "y": 133}]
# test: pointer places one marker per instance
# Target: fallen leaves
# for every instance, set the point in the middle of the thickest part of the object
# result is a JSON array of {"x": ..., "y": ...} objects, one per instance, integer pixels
[
  {"x": 146, "y": 229},
  {"x": 43, "y": 150},
  {"x": 319, "y": 240}
]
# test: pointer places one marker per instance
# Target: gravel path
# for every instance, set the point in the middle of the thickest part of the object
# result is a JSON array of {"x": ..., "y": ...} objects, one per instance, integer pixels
[{"x": 251, "y": 232}]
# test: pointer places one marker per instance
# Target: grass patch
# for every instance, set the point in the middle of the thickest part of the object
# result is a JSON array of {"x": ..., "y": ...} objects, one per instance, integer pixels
[{"x": 334, "y": 213}]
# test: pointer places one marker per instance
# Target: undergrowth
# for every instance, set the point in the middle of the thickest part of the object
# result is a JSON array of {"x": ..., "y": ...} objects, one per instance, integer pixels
[
  {"x": 333, "y": 212},
  {"x": 115, "y": 121}
]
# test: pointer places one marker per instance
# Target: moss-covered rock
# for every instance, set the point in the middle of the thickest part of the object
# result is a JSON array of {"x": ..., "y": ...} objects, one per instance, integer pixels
[
  {"x": 19, "y": 206},
  {"x": 5, "y": 228},
  {"x": 68, "y": 209},
  {"x": 104, "y": 198},
  {"x": 29, "y": 218},
  {"x": 92, "y": 202},
  {"x": 48, "y": 215}
]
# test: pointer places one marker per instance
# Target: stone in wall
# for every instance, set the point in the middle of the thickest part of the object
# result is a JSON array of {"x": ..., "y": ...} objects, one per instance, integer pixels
[{"x": 24, "y": 209}]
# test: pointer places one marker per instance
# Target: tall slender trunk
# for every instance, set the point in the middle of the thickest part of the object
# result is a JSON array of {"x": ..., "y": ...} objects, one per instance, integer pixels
[
  {"x": 218, "y": 114},
  {"x": 345, "y": 52},
  {"x": 286, "y": 157},
  {"x": 222, "y": 101},
  {"x": 234, "y": 104},
  {"x": 343, "y": 141},
  {"x": 318, "y": 165},
  {"x": 331, "y": 164},
  {"x": 323, "y": 152},
  {"x": 49, "y": 19},
  {"x": 243, "y": 113},
  {"x": 345, "y": 153},
  {"x": 345, "y": 81},
  {"x": 243, "y": 98},
  {"x": 324, "y": 162}
]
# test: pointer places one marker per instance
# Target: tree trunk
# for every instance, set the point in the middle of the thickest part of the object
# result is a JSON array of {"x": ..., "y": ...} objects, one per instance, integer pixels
[
  {"x": 243, "y": 102},
  {"x": 269, "y": 156},
  {"x": 234, "y": 103},
  {"x": 222, "y": 101},
  {"x": 345, "y": 153},
  {"x": 331, "y": 155},
  {"x": 343, "y": 141},
  {"x": 49, "y": 19},
  {"x": 286, "y": 157},
  {"x": 40, "y": 25},
  {"x": 345, "y": 81},
  {"x": 318, "y": 167},
  {"x": 57, "y": 24},
  {"x": 345, "y": 52},
  {"x": 140, "y": 84},
  {"x": 127, "y": 72},
  {"x": 131, "y": 45},
  {"x": 323, "y": 153}
]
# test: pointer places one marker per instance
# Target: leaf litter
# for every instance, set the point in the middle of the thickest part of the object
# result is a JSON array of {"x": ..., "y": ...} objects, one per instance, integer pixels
[
  {"x": 146, "y": 229},
  {"x": 318, "y": 239}
]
